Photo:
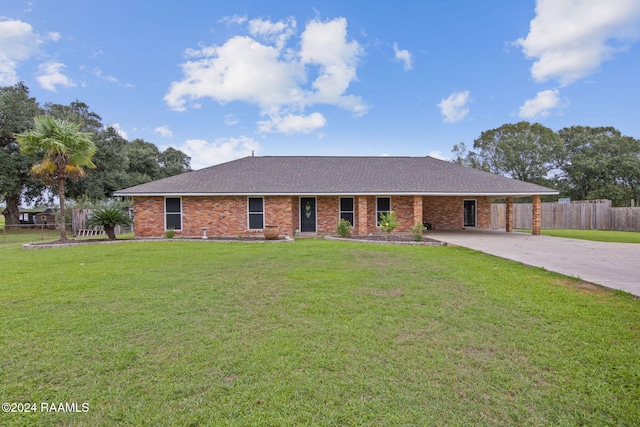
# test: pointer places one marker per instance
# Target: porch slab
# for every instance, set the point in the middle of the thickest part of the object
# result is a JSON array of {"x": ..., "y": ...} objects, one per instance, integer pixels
[{"x": 613, "y": 265}]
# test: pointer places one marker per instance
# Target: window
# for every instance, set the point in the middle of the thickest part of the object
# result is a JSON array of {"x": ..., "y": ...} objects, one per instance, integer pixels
[
  {"x": 256, "y": 213},
  {"x": 383, "y": 206},
  {"x": 346, "y": 209},
  {"x": 173, "y": 213}
]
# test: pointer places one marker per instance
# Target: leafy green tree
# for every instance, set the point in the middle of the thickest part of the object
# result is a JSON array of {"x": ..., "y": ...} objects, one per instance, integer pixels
[
  {"x": 467, "y": 158},
  {"x": 110, "y": 173},
  {"x": 173, "y": 162},
  {"x": 598, "y": 163},
  {"x": 147, "y": 163},
  {"x": 522, "y": 151},
  {"x": 77, "y": 112},
  {"x": 17, "y": 111},
  {"x": 66, "y": 151}
]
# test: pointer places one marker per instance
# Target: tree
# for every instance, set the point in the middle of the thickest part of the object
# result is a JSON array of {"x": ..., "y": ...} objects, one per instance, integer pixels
[
  {"x": 77, "y": 112},
  {"x": 110, "y": 174},
  {"x": 109, "y": 218},
  {"x": 598, "y": 163},
  {"x": 173, "y": 162},
  {"x": 17, "y": 111},
  {"x": 147, "y": 163},
  {"x": 66, "y": 150},
  {"x": 522, "y": 151}
]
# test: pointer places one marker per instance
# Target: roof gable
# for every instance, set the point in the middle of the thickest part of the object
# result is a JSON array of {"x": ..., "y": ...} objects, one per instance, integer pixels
[{"x": 310, "y": 175}]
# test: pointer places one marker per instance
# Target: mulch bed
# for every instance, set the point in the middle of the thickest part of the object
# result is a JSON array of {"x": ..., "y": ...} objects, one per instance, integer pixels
[
  {"x": 393, "y": 239},
  {"x": 73, "y": 241}
]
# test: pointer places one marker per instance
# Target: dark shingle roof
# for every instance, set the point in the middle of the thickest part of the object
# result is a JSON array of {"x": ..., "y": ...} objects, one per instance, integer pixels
[{"x": 304, "y": 175}]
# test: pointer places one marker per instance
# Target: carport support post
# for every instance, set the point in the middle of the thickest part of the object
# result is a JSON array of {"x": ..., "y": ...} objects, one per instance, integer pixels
[
  {"x": 535, "y": 215},
  {"x": 509, "y": 214}
]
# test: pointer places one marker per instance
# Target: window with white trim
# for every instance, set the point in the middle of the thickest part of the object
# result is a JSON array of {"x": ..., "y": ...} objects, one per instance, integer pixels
[
  {"x": 173, "y": 213},
  {"x": 256, "y": 213},
  {"x": 383, "y": 206},
  {"x": 347, "y": 210}
]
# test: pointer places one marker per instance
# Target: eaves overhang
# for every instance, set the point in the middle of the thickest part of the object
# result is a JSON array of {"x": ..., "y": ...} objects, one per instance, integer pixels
[{"x": 367, "y": 193}]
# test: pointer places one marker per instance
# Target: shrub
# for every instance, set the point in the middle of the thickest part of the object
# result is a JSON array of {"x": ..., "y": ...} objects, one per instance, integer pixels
[
  {"x": 344, "y": 228},
  {"x": 109, "y": 218},
  {"x": 388, "y": 222},
  {"x": 170, "y": 233},
  {"x": 417, "y": 230}
]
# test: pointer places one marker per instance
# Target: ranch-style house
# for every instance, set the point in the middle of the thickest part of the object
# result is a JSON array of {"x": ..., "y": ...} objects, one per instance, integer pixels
[{"x": 308, "y": 194}]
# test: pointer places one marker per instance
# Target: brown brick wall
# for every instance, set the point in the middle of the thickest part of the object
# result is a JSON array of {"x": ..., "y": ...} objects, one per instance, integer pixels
[
  {"x": 362, "y": 208},
  {"x": 227, "y": 216},
  {"x": 224, "y": 216},
  {"x": 445, "y": 212},
  {"x": 403, "y": 207},
  {"x": 279, "y": 210},
  {"x": 328, "y": 208},
  {"x": 148, "y": 214}
]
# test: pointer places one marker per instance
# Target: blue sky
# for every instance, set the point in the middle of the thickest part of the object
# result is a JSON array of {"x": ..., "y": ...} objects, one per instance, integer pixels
[{"x": 403, "y": 78}]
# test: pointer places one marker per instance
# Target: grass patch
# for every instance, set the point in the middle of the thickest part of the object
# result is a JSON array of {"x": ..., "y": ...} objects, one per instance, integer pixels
[
  {"x": 595, "y": 235},
  {"x": 311, "y": 333},
  {"x": 27, "y": 235}
]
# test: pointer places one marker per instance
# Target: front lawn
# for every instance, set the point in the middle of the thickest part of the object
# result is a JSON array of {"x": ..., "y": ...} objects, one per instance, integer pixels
[
  {"x": 310, "y": 333},
  {"x": 595, "y": 235}
]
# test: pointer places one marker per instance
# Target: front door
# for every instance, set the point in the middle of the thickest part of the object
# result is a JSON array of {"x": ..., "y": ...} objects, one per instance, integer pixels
[
  {"x": 308, "y": 215},
  {"x": 469, "y": 213}
]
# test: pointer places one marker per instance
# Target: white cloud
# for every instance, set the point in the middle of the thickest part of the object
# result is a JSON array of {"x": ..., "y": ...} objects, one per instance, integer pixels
[
  {"x": 278, "y": 32},
  {"x": 120, "y": 131},
  {"x": 454, "y": 108},
  {"x": 50, "y": 76},
  {"x": 240, "y": 70},
  {"x": 438, "y": 155},
  {"x": 235, "y": 19},
  {"x": 18, "y": 42},
  {"x": 403, "y": 56},
  {"x": 99, "y": 74},
  {"x": 293, "y": 124},
  {"x": 204, "y": 154},
  {"x": 569, "y": 39},
  {"x": 325, "y": 44},
  {"x": 163, "y": 131},
  {"x": 541, "y": 104},
  {"x": 262, "y": 70},
  {"x": 230, "y": 120},
  {"x": 55, "y": 36}
]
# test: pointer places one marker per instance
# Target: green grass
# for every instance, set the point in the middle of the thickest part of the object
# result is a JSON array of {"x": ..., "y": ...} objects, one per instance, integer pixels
[
  {"x": 38, "y": 235},
  {"x": 595, "y": 235},
  {"x": 310, "y": 333}
]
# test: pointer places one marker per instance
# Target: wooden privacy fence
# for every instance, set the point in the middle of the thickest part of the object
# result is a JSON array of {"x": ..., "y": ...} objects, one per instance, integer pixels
[{"x": 581, "y": 215}]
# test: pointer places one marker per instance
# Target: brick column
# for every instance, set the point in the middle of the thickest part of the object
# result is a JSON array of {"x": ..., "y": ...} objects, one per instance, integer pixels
[
  {"x": 509, "y": 214},
  {"x": 535, "y": 215},
  {"x": 417, "y": 210},
  {"x": 361, "y": 225}
]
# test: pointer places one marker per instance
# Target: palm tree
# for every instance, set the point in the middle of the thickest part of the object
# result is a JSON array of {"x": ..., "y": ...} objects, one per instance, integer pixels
[
  {"x": 109, "y": 218},
  {"x": 66, "y": 152}
]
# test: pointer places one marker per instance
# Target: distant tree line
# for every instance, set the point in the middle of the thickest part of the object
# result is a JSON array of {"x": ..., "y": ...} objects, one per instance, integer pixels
[
  {"x": 581, "y": 162},
  {"x": 119, "y": 163}
]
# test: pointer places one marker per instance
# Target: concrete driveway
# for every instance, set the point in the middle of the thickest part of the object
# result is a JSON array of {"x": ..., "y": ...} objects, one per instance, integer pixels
[{"x": 614, "y": 265}]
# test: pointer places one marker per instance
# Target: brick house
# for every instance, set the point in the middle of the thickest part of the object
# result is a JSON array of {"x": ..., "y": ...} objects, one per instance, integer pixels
[{"x": 311, "y": 194}]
